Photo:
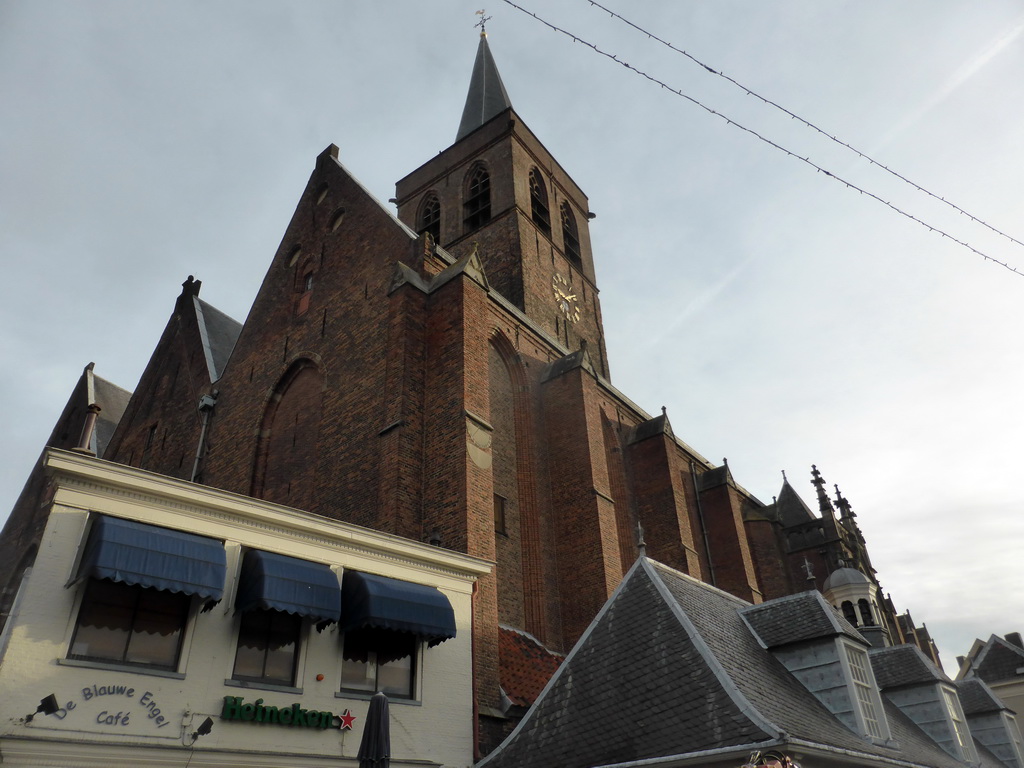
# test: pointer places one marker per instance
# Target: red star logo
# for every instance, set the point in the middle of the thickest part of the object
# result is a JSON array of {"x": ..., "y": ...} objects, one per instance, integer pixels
[{"x": 345, "y": 720}]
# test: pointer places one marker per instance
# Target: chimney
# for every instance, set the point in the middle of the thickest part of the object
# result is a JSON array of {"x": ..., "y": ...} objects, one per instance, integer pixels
[
  {"x": 1013, "y": 638},
  {"x": 89, "y": 427}
]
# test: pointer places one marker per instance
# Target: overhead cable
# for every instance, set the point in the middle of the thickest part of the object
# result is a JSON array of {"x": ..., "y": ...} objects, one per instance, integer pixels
[
  {"x": 805, "y": 122},
  {"x": 850, "y": 185}
]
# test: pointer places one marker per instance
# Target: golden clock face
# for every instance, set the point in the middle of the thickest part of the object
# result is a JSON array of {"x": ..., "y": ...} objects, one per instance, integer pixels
[{"x": 565, "y": 298}]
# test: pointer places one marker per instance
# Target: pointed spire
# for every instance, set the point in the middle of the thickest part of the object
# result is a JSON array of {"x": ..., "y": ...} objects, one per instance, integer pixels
[
  {"x": 824, "y": 505},
  {"x": 487, "y": 97},
  {"x": 845, "y": 510},
  {"x": 641, "y": 543}
]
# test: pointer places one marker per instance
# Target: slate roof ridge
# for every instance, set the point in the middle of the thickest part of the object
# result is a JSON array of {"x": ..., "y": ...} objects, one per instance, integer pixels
[
  {"x": 994, "y": 640},
  {"x": 976, "y": 697},
  {"x": 712, "y": 660},
  {"x": 915, "y": 670},
  {"x": 521, "y": 725},
  {"x": 839, "y": 624},
  {"x": 740, "y": 602}
]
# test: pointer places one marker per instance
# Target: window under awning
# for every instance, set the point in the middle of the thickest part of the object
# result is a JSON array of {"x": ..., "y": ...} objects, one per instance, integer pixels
[
  {"x": 383, "y": 603},
  {"x": 148, "y": 556},
  {"x": 280, "y": 583}
]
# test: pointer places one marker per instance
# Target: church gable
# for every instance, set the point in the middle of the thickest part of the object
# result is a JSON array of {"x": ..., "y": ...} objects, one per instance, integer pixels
[
  {"x": 324, "y": 300},
  {"x": 161, "y": 426}
]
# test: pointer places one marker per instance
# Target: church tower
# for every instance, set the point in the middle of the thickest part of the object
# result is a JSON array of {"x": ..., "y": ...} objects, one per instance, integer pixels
[{"x": 497, "y": 189}]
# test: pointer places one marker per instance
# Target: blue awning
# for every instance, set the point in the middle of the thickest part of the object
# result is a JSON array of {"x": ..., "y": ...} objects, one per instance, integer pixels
[
  {"x": 383, "y": 603},
  {"x": 281, "y": 583},
  {"x": 136, "y": 553}
]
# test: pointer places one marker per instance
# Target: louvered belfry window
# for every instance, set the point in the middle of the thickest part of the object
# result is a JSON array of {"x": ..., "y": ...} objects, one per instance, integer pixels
[
  {"x": 477, "y": 207},
  {"x": 539, "y": 203}
]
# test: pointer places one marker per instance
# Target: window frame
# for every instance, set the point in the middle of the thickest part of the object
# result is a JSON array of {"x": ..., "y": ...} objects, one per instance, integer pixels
[
  {"x": 540, "y": 212},
  {"x": 184, "y": 633},
  {"x": 959, "y": 729},
  {"x": 300, "y": 633},
  {"x": 865, "y": 698},
  {"x": 570, "y": 234},
  {"x": 476, "y": 206},
  {"x": 429, "y": 218},
  {"x": 413, "y": 675}
]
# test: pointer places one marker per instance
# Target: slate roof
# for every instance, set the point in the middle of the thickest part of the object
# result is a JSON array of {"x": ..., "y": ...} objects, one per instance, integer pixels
[
  {"x": 113, "y": 400},
  {"x": 714, "y": 477},
  {"x": 219, "y": 333},
  {"x": 790, "y": 507},
  {"x": 525, "y": 666},
  {"x": 903, "y": 665},
  {"x": 487, "y": 97},
  {"x": 659, "y": 425},
  {"x": 977, "y": 698},
  {"x": 796, "y": 618},
  {"x": 998, "y": 660},
  {"x": 670, "y": 669}
]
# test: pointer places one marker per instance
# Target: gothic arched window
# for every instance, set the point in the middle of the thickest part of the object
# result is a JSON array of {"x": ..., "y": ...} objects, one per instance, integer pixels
[
  {"x": 430, "y": 217},
  {"x": 539, "y": 202},
  {"x": 865, "y": 613},
  {"x": 849, "y": 613},
  {"x": 570, "y": 234},
  {"x": 287, "y": 440},
  {"x": 477, "y": 208}
]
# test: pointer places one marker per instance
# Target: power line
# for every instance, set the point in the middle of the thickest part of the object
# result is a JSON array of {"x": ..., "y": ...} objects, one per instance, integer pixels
[
  {"x": 805, "y": 122},
  {"x": 850, "y": 185}
]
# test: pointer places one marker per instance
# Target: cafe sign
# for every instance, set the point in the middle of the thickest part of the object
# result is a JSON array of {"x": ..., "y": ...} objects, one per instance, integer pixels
[{"x": 235, "y": 708}]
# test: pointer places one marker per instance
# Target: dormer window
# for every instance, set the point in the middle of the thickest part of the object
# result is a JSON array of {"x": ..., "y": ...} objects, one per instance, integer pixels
[
  {"x": 539, "y": 203},
  {"x": 477, "y": 207},
  {"x": 962, "y": 734},
  {"x": 826, "y": 655},
  {"x": 869, "y": 703},
  {"x": 430, "y": 217},
  {"x": 570, "y": 234}
]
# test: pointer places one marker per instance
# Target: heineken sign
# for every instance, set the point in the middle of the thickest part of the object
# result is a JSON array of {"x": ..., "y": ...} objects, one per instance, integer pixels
[{"x": 258, "y": 712}]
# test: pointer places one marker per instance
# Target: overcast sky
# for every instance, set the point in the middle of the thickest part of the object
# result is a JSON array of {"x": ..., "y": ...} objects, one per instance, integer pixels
[{"x": 783, "y": 319}]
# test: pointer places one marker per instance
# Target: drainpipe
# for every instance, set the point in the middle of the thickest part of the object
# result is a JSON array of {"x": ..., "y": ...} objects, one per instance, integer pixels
[
  {"x": 472, "y": 654},
  {"x": 703, "y": 526},
  {"x": 206, "y": 403}
]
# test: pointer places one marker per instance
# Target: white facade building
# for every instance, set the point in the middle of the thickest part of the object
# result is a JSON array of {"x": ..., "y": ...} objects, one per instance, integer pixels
[{"x": 155, "y": 604}]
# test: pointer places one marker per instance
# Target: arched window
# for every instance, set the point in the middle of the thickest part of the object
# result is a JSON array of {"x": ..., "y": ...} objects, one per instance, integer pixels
[
  {"x": 865, "y": 613},
  {"x": 477, "y": 208},
  {"x": 287, "y": 440},
  {"x": 539, "y": 202},
  {"x": 570, "y": 234},
  {"x": 430, "y": 217},
  {"x": 849, "y": 613}
]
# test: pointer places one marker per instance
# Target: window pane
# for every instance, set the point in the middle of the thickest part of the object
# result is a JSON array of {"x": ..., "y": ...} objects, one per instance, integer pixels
[
  {"x": 268, "y": 644},
  {"x": 122, "y": 623},
  {"x": 379, "y": 660},
  {"x": 395, "y": 677},
  {"x": 358, "y": 675}
]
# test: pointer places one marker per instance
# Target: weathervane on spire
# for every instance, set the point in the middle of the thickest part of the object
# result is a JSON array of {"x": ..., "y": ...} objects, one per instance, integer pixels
[{"x": 483, "y": 22}]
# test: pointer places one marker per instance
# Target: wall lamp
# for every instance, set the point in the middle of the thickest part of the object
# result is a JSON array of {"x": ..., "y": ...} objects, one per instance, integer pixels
[
  {"x": 204, "y": 728},
  {"x": 47, "y": 706}
]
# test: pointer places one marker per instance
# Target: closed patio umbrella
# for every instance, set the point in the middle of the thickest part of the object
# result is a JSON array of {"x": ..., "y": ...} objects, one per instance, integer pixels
[{"x": 375, "y": 746}]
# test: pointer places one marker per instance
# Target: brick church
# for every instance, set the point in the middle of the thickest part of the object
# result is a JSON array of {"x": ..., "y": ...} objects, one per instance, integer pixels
[{"x": 441, "y": 375}]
